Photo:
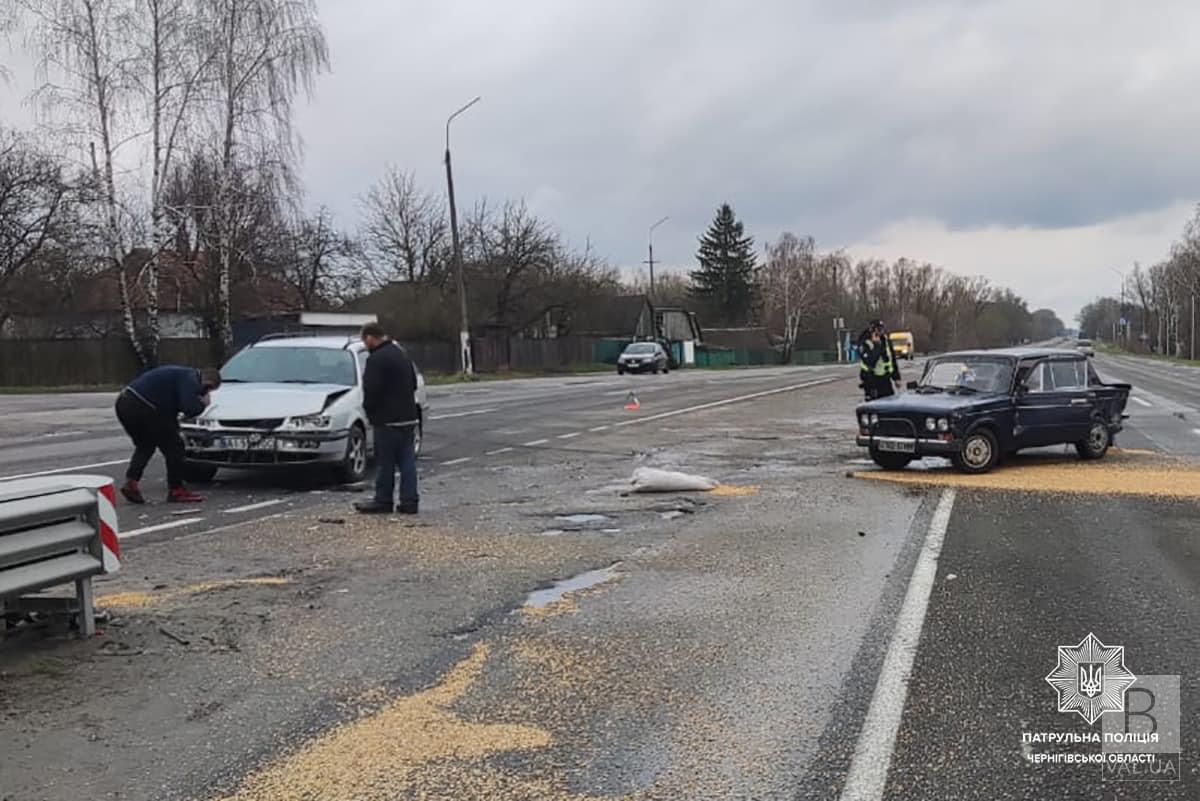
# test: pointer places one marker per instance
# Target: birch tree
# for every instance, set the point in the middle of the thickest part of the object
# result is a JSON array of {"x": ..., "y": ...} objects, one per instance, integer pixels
[
  {"x": 265, "y": 52},
  {"x": 791, "y": 288}
]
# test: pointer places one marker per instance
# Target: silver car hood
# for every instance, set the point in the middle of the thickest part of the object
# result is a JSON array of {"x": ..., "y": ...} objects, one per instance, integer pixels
[{"x": 252, "y": 401}]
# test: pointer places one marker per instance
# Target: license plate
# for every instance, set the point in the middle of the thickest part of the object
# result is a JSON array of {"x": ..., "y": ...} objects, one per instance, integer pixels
[
  {"x": 897, "y": 446},
  {"x": 264, "y": 444},
  {"x": 233, "y": 444}
]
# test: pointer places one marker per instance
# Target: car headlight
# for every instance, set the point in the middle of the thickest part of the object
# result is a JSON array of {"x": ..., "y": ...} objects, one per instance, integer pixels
[
  {"x": 864, "y": 421},
  {"x": 874, "y": 419},
  {"x": 200, "y": 422},
  {"x": 930, "y": 424},
  {"x": 943, "y": 425},
  {"x": 309, "y": 421}
]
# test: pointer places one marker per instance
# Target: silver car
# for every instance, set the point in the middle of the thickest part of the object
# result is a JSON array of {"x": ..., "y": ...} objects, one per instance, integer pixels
[
  {"x": 287, "y": 401},
  {"x": 1084, "y": 346}
]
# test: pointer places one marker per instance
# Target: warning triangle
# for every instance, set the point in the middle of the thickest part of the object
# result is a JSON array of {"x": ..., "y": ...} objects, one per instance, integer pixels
[{"x": 632, "y": 404}]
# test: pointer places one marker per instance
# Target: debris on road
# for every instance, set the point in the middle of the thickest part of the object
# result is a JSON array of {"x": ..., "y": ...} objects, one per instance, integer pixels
[
  {"x": 166, "y": 632},
  {"x": 651, "y": 479},
  {"x": 583, "y": 519}
]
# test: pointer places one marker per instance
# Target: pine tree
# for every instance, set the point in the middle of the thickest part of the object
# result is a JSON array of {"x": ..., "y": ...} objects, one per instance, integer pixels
[{"x": 727, "y": 279}]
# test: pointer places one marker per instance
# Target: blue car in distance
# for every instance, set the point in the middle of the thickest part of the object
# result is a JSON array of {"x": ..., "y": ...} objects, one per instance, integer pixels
[{"x": 976, "y": 407}]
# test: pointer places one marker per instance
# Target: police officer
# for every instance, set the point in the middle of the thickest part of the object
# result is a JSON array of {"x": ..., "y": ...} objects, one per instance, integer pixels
[{"x": 880, "y": 372}]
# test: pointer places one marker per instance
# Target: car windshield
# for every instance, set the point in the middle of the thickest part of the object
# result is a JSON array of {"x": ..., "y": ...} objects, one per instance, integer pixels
[
  {"x": 293, "y": 365},
  {"x": 641, "y": 349},
  {"x": 968, "y": 374}
]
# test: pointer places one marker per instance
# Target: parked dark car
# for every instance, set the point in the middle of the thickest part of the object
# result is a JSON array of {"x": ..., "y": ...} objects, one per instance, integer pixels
[
  {"x": 643, "y": 357},
  {"x": 977, "y": 407}
]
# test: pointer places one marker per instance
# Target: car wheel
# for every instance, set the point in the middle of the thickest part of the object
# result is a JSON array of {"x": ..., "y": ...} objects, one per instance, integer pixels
[
  {"x": 1098, "y": 441},
  {"x": 980, "y": 452},
  {"x": 200, "y": 473},
  {"x": 353, "y": 467},
  {"x": 620, "y": 371},
  {"x": 891, "y": 461}
]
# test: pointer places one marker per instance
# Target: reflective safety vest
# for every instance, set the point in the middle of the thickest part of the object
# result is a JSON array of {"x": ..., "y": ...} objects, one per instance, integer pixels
[{"x": 883, "y": 367}]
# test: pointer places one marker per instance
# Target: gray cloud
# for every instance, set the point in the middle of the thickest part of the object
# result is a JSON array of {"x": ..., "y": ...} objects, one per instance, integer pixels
[{"x": 839, "y": 119}]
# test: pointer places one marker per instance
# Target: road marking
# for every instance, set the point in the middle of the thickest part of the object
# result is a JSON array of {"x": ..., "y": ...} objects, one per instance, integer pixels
[
  {"x": 137, "y": 532},
  {"x": 727, "y": 401},
  {"x": 61, "y": 470},
  {"x": 535, "y": 442},
  {"x": 598, "y": 429},
  {"x": 1136, "y": 399},
  {"x": 572, "y": 435},
  {"x": 873, "y": 754},
  {"x": 461, "y": 414},
  {"x": 498, "y": 451},
  {"x": 453, "y": 462},
  {"x": 250, "y": 507}
]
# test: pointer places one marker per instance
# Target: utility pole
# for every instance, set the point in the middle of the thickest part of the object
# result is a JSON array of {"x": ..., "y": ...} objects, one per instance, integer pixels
[
  {"x": 650, "y": 261},
  {"x": 464, "y": 333}
]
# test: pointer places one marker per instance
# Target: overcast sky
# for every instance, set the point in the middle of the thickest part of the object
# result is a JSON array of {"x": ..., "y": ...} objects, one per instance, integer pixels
[{"x": 1039, "y": 144}]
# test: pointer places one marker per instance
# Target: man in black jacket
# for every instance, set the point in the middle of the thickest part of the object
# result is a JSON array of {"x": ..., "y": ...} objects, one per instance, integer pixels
[
  {"x": 149, "y": 410},
  {"x": 389, "y": 399}
]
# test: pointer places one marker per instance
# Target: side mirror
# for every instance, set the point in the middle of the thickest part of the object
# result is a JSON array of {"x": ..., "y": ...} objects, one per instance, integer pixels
[
  {"x": 912, "y": 385},
  {"x": 1022, "y": 390}
]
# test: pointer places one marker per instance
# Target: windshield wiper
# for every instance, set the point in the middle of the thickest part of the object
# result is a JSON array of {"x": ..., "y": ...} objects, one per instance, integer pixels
[
  {"x": 299, "y": 381},
  {"x": 971, "y": 390},
  {"x": 930, "y": 388},
  {"x": 234, "y": 381}
]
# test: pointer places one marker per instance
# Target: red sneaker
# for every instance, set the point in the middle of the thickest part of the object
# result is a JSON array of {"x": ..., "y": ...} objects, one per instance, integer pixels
[
  {"x": 183, "y": 495},
  {"x": 132, "y": 492}
]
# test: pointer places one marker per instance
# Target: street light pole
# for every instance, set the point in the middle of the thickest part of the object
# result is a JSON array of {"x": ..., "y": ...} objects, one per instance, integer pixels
[
  {"x": 650, "y": 261},
  {"x": 464, "y": 333}
]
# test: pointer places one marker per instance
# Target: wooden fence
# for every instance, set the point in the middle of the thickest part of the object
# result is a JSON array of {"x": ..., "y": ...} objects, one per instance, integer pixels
[{"x": 87, "y": 362}]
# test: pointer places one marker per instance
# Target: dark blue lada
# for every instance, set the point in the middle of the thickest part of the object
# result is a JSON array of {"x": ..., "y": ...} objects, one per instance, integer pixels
[{"x": 976, "y": 407}]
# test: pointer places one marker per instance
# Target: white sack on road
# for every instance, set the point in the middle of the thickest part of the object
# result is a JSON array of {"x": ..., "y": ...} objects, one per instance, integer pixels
[{"x": 649, "y": 479}]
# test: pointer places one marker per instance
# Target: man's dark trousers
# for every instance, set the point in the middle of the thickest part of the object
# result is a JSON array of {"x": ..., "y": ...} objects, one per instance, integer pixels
[
  {"x": 149, "y": 431},
  {"x": 395, "y": 447}
]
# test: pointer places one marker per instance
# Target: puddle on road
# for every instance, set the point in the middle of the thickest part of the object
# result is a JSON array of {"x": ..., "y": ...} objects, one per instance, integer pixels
[
  {"x": 583, "y": 519},
  {"x": 558, "y": 592}
]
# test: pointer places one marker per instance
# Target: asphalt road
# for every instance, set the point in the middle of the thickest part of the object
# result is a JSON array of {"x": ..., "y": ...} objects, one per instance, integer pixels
[
  {"x": 801, "y": 634},
  {"x": 496, "y": 421}
]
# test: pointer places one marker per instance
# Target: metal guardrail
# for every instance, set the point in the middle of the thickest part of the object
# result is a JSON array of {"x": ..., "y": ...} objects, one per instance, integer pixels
[{"x": 53, "y": 532}]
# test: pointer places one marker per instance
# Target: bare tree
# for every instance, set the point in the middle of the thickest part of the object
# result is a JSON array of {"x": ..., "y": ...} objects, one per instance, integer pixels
[
  {"x": 791, "y": 288},
  {"x": 264, "y": 52},
  {"x": 34, "y": 200},
  {"x": 317, "y": 259},
  {"x": 404, "y": 232},
  {"x": 85, "y": 62},
  {"x": 169, "y": 69}
]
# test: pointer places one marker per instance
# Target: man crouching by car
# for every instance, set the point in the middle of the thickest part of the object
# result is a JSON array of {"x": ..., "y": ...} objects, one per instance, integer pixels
[{"x": 389, "y": 387}]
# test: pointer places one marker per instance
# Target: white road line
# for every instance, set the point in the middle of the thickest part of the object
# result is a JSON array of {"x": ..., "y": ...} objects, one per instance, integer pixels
[
  {"x": 461, "y": 414},
  {"x": 535, "y": 443},
  {"x": 137, "y": 532},
  {"x": 453, "y": 462},
  {"x": 499, "y": 451},
  {"x": 1136, "y": 399},
  {"x": 250, "y": 507},
  {"x": 572, "y": 435},
  {"x": 873, "y": 754},
  {"x": 727, "y": 401},
  {"x": 61, "y": 470},
  {"x": 598, "y": 429}
]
